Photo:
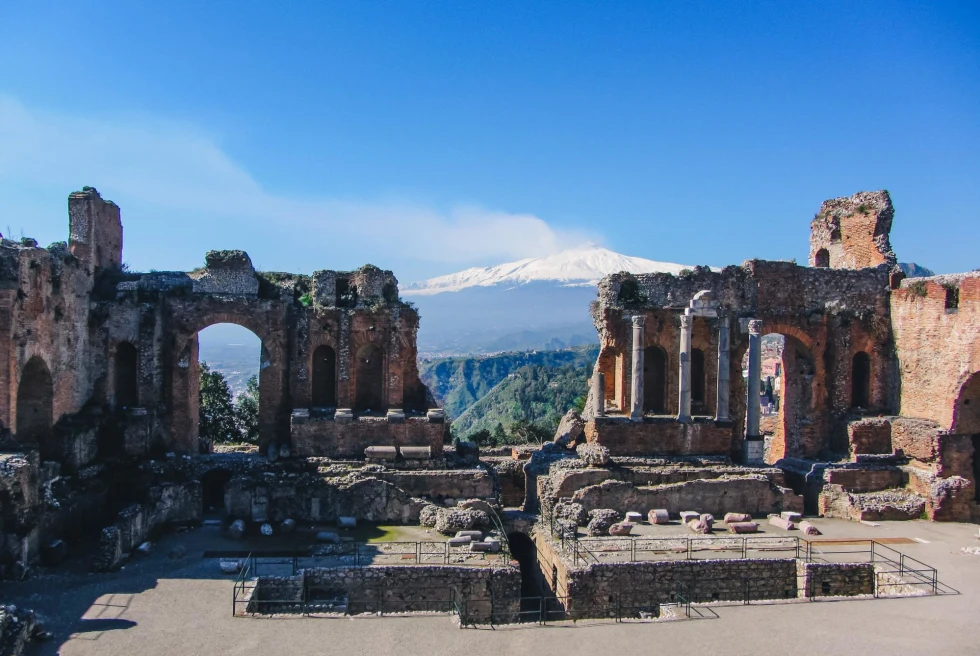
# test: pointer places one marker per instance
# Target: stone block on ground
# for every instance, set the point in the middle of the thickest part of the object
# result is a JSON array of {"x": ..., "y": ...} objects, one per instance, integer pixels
[
  {"x": 287, "y": 526},
  {"x": 634, "y": 517},
  {"x": 781, "y": 522},
  {"x": 266, "y": 529},
  {"x": 476, "y": 535},
  {"x": 621, "y": 528},
  {"x": 600, "y": 520},
  {"x": 328, "y": 537},
  {"x": 708, "y": 519},
  {"x": 688, "y": 515},
  {"x": 460, "y": 541},
  {"x": 474, "y": 504},
  {"x": 381, "y": 452},
  {"x": 658, "y": 516},
  {"x": 570, "y": 429},
  {"x": 699, "y": 526},
  {"x": 483, "y": 547},
  {"x": 593, "y": 455},
  {"x": 743, "y": 527},
  {"x": 428, "y": 516},
  {"x": 347, "y": 522},
  {"x": 731, "y": 518},
  {"x": 809, "y": 529},
  {"x": 451, "y": 520},
  {"x": 416, "y": 452},
  {"x": 237, "y": 529},
  {"x": 573, "y": 512},
  {"x": 145, "y": 549},
  {"x": 230, "y": 566},
  {"x": 794, "y": 517}
]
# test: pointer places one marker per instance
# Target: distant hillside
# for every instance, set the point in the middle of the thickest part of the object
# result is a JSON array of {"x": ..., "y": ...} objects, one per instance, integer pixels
[
  {"x": 459, "y": 382},
  {"x": 536, "y": 394},
  {"x": 913, "y": 270}
]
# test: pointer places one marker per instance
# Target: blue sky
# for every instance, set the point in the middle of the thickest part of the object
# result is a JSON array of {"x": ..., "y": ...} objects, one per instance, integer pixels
[{"x": 427, "y": 137}]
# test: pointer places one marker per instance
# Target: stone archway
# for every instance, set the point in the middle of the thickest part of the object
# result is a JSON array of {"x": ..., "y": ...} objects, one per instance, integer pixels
[
  {"x": 654, "y": 380},
  {"x": 966, "y": 421},
  {"x": 966, "y": 412},
  {"x": 186, "y": 380},
  {"x": 126, "y": 374},
  {"x": 369, "y": 379},
  {"x": 35, "y": 404},
  {"x": 323, "y": 393}
]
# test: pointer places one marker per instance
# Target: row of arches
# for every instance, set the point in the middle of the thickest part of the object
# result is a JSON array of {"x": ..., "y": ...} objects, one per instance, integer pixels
[
  {"x": 369, "y": 377},
  {"x": 655, "y": 387}
]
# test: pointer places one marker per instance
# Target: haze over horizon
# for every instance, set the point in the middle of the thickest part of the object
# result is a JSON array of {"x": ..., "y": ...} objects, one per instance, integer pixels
[{"x": 430, "y": 138}]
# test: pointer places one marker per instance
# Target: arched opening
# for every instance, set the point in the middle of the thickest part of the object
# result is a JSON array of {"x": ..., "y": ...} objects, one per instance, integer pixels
[
  {"x": 225, "y": 390},
  {"x": 369, "y": 397},
  {"x": 966, "y": 421},
  {"x": 126, "y": 375},
  {"x": 822, "y": 258},
  {"x": 791, "y": 413},
  {"x": 655, "y": 380},
  {"x": 861, "y": 380},
  {"x": 35, "y": 404},
  {"x": 698, "y": 381},
  {"x": 324, "y": 375},
  {"x": 214, "y": 483},
  {"x": 526, "y": 554}
]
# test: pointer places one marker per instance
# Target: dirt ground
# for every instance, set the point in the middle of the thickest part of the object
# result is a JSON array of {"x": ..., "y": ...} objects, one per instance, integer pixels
[{"x": 175, "y": 606}]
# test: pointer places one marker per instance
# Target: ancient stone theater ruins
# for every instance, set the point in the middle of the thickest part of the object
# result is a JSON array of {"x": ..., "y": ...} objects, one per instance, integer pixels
[{"x": 879, "y": 419}]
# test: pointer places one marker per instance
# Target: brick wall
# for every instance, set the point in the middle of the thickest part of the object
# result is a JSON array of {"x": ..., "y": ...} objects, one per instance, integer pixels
[
  {"x": 322, "y": 436},
  {"x": 659, "y": 437}
]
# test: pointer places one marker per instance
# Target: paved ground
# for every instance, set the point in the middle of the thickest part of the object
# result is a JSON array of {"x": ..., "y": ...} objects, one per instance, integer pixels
[{"x": 174, "y": 607}]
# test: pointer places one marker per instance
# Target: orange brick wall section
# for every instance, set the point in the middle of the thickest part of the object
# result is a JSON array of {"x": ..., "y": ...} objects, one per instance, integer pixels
[{"x": 938, "y": 349}]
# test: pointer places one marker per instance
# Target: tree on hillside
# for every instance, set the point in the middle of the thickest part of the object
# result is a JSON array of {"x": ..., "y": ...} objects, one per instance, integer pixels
[
  {"x": 217, "y": 413},
  {"x": 247, "y": 411}
]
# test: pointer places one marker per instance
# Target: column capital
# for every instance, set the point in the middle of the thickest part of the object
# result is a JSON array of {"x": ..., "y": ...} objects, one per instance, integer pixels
[
  {"x": 686, "y": 321},
  {"x": 755, "y": 326},
  {"x": 639, "y": 320}
]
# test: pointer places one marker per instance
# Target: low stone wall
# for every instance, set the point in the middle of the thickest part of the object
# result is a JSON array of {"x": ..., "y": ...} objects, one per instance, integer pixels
[
  {"x": 593, "y": 588},
  {"x": 565, "y": 482},
  {"x": 325, "y": 437},
  {"x": 867, "y": 479},
  {"x": 658, "y": 436},
  {"x": 484, "y": 593},
  {"x": 835, "y": 579},
  {"x": 442, "y": 484},
  {"x": 754, "y": 494},
  {"x": 311, "y": 498},
  {"x": 510, "y": 479},
  {"x": 166, "y": 504}
]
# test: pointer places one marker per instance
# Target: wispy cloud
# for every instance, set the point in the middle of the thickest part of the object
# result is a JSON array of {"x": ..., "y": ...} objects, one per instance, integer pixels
[{"x": 164, "y": 171}]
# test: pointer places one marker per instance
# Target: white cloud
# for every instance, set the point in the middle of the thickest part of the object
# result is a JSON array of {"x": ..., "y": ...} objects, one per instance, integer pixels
[{"x": 163, "y": 171}]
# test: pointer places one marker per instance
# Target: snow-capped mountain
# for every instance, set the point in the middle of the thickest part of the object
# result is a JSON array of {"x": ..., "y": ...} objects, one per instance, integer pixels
[
  {"x": 576, "y": 266},
  {"x": 537, "y": 303}
]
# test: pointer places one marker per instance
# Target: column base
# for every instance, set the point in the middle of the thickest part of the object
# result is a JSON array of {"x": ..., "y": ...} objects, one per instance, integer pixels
[{"x": 754, "y": 450}]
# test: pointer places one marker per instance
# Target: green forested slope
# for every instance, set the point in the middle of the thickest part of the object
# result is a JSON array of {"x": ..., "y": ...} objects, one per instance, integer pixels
[
  {"x": 533, "y": 394},
  {"x": 459, "y": 382}
]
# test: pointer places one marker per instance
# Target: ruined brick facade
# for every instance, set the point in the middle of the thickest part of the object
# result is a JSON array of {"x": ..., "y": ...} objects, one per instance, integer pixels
[
  {"x": 878, "y": 373},
  {"x": 85, "y": 341}
]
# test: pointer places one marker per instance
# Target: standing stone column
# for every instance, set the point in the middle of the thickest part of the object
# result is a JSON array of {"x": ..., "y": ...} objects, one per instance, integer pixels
[
  {"x": 636, "y": 388},
  {"x": 724, "y": 369},
  {"x": 599, "y": 391},
  {"x": 684, "y": 397},
  {"x": 755, "y": 380}
]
